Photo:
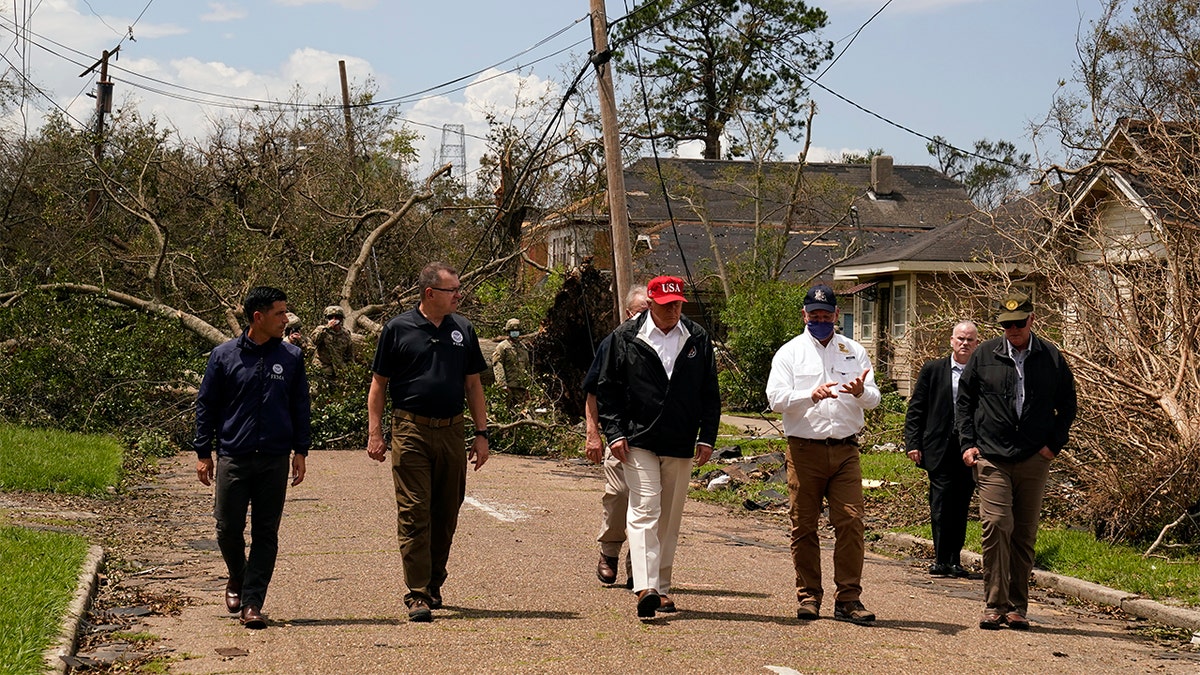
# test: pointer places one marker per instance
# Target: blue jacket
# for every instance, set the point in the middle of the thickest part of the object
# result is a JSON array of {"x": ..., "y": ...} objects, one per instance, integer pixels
[{"x": 254, "y": 398}]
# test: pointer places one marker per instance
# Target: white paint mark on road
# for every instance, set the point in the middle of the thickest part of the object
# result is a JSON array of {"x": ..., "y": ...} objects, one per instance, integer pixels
[
  {"x": 501, "y": 512},
  {"x": 783, "y": 670}
]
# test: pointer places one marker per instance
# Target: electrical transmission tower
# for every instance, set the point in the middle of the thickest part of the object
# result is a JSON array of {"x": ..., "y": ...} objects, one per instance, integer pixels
[{"x": 454, "y": 151}]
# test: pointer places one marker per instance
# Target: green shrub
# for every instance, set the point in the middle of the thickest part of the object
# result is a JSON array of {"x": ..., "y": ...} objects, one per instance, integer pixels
[
  {"x": 77, "y": 363},
  {"x": 761, "y": 317}
]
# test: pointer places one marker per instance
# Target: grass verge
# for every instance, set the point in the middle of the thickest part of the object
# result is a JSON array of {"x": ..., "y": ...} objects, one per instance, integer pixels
[
  {"x": 38, "y": 574},
  {"x": 40, "y": 460},
  {"x": 1077, "y": 554}
]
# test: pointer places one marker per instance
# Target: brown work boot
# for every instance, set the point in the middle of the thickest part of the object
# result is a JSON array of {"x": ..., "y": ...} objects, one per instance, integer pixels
[
  {"x": 418, "y": 611},
  {"x": 808, "y": 610},
  {"x": 1016, "y": 621},
  {"x": 852, "y": 611},
  {"x": 992, "y": 619}
]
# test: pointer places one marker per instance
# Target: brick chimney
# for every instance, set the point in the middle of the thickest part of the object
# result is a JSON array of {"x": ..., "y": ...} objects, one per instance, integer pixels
[{"x": 882, "y": 182}]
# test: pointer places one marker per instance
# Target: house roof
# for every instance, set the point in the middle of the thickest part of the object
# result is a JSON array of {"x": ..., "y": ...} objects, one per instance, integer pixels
[
  {"x": 836, "y": 210},
  {"x": 980, "y": 241},
  {"x": 922, "y": 197}
]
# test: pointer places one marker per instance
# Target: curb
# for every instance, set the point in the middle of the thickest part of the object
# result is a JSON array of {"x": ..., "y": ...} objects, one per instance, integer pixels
[
  {"x": 84, "y": 588},
  {"x": 1131, "y": 603}
]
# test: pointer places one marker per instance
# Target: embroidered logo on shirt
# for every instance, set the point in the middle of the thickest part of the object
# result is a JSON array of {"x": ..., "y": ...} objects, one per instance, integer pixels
[
  {"x": 457, "y": 336},
  {"x": 692, "y": 354},
  {"x": 842, "y": 347},
  {"x": 277, "y": 369}
]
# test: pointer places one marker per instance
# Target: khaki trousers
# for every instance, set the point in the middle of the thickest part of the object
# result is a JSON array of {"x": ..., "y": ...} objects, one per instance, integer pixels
[
  {"x": 615, "y": 502},
  {"x": 657, "y": 491},
  {"x": 429, "y": 471},
  {"x": 817, "y": 471},
  {"x": 1010, "y": 502}
]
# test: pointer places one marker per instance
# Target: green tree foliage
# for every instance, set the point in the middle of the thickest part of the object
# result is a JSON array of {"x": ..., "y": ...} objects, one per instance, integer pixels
[
  {"x": 992, "y": 174},
  {"x": 761, "y": 317},
  {"x": 708, "y": 62},
  {"x": 78, "y": 363}
]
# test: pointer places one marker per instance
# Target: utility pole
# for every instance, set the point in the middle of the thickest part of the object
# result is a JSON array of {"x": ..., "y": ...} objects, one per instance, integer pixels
[
  {"x": 618, "y": 211},
  {"x": 346, "y": 112},
  {"x": 104, "y": 95}
]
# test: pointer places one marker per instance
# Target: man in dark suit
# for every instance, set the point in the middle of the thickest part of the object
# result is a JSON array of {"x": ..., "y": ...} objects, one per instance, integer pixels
[{"x": 932, "y": 443}]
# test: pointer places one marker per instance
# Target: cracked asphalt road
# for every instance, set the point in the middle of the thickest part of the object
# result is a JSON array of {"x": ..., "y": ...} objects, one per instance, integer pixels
[{"x": 522, "y": 596}]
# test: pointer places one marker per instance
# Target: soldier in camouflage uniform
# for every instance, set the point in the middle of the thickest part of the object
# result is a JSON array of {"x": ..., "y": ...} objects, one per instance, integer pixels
[
  {"x": 333, "y": 349},
  {"x": 294, "y": 333},
  {"x": 510, "y": 364}
]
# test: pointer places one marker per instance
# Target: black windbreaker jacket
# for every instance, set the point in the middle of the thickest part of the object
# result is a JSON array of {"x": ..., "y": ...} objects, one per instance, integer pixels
[
  {"x": 986, "y": 417},
  {"x": 638, "y": 403}
]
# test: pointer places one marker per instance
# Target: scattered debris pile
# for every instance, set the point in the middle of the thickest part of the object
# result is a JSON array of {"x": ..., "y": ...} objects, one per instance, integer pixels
[{"x": 738, "y": 471}]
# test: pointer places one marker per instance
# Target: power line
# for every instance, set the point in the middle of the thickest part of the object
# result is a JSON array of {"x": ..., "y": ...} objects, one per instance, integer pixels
[
  {"x": 787, "y": 58},
  {"x": 248, "y": 103},
  {"x": 853, "y": 38}
]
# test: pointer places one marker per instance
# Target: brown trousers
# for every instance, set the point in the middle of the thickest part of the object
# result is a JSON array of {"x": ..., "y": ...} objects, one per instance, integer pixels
[
  {"x": 429, "y": 470},
  {"x": 1010, "y": 502},
  {"x": 817, "y": 471}
]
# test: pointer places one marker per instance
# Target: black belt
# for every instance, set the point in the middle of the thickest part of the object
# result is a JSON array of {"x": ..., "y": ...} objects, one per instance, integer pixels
[
  {"x": 852, "y": 439},
  {"x": 435, "y": 422}
]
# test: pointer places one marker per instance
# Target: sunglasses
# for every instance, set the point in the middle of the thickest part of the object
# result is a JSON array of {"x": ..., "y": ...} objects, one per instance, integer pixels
[{"x": 1014, "y": 324}]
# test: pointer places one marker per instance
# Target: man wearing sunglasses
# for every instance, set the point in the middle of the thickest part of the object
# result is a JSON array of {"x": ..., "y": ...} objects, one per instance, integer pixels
[{"x": 1016, "y": 403}]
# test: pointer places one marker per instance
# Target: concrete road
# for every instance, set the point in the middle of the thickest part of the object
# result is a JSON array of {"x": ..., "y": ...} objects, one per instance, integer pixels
[{"x": 523, "y": 597}]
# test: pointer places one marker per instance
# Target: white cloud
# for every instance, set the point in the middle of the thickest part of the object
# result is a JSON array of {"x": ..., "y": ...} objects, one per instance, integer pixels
[
  {"x": 823, "y": 155},
  {"x": 219, "y": 12},
  {"x": 508, "y": 96}
]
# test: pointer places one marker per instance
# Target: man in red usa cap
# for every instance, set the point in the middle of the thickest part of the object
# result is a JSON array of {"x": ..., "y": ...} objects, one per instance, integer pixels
[{"x": 659, "y": 409}]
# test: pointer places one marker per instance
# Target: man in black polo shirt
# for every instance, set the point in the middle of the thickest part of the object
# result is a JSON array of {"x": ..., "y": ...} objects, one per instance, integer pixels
[{"x": 427, "y": 359}]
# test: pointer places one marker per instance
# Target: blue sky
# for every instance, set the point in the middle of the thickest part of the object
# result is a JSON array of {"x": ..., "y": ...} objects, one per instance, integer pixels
[{"x": 962, "y": 69}]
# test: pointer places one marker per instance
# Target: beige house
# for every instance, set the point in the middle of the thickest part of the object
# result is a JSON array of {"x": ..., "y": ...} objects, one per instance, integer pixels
[{"x": 907, "y": 297}]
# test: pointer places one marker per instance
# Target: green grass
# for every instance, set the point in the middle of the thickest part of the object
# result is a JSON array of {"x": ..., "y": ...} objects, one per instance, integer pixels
[
  {"x": 1077, "y": 554},
  {"x": 39, "y": 460},
  {"x": 38, "y": 573},
  {"x": 894, "y": 467}
]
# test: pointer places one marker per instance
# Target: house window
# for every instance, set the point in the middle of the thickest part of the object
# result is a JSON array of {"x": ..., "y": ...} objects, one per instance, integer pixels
[
  {"x": 848, "y": 324},
  {"x": 899, "y": 308},
  {"x": 866, "y": 312}
]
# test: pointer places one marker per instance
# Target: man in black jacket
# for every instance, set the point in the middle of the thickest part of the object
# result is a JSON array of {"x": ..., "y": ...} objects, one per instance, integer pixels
[
  {"x": 659, "y": 408},
  {"x": 1016, "y": 403},
  {"x": 932, "y": 443},
  {"x": 253, "y": 410}
]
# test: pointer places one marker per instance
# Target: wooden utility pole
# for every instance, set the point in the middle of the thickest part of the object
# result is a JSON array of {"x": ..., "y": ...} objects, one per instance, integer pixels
[
  {"x": 346, "y": 112},
  {"x": 618, "y": 211},
  {"x": 104, "y": 95}
]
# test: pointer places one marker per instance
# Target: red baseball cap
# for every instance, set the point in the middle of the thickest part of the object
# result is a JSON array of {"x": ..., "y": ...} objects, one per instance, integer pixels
[{"x": 666, "y": 289}]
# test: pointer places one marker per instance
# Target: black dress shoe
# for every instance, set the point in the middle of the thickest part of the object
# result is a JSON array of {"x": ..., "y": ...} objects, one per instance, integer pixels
[
  {"x": 251, "y": 618},
  {"x": 959, "y": 571},
  {"x": 233, "y": 597},
  {"x": 939, "y": 570},
  {"x": 606, "y": 569}
]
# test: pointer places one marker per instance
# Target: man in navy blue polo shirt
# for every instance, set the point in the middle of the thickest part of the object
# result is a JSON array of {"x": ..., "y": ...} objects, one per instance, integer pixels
[
  {"x": 427, "y": 360},
  {"x": 253, "y": 409}
]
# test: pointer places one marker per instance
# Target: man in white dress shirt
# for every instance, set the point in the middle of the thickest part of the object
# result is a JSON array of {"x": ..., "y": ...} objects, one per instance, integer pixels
[
  {"x": 659, "y": 408},
  {"x": 822, "y": 382}
]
